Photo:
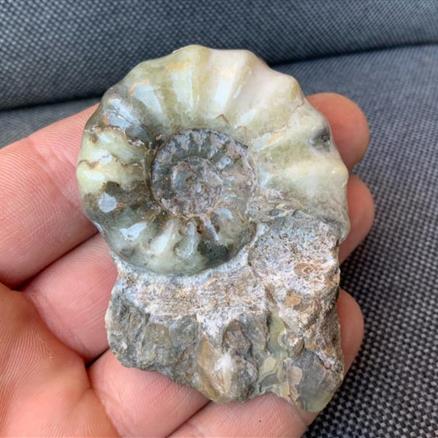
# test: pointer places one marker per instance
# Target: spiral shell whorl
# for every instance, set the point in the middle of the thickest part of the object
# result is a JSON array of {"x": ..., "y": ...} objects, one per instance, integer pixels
[{"x": 202, "y": 180}]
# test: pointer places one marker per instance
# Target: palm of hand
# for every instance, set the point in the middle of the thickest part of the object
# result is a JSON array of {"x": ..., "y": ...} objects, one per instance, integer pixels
[{"x": 57, "y": 376}]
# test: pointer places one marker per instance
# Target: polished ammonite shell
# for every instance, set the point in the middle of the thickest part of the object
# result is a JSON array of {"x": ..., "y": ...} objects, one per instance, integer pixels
[{"x": 222, "y": 197}]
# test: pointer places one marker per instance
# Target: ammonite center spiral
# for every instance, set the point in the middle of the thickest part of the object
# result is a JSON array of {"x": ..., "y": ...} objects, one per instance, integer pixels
[
  {"x": 199, "y": 171},
  {"x": 203, "y": 179},
  {"x": 190, "y": 188}
]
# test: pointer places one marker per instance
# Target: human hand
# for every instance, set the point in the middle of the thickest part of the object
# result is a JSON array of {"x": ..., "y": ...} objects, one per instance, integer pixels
[{"x": 57, "y": 376}]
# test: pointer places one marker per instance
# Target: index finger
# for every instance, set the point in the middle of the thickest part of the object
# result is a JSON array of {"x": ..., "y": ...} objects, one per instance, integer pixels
[{"x": 40, "y": 211}]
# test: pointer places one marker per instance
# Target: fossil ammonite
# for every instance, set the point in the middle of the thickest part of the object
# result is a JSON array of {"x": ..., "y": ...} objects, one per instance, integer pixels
[{"x": 222, "y": 198}]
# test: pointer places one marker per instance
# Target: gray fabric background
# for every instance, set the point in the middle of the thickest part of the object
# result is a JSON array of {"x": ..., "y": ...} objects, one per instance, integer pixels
[
  {"x": 392, "y": 387},
  {"x": 52, "y": 50},
  {"x": 19, "y": 122}
]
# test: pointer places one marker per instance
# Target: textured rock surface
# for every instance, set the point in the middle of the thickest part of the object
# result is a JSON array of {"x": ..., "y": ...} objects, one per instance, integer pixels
[{"x": 222, "y": 197}]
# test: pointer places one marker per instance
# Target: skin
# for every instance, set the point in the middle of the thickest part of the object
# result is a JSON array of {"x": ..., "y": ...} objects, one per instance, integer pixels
[{"x": 57, "y": 376}]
